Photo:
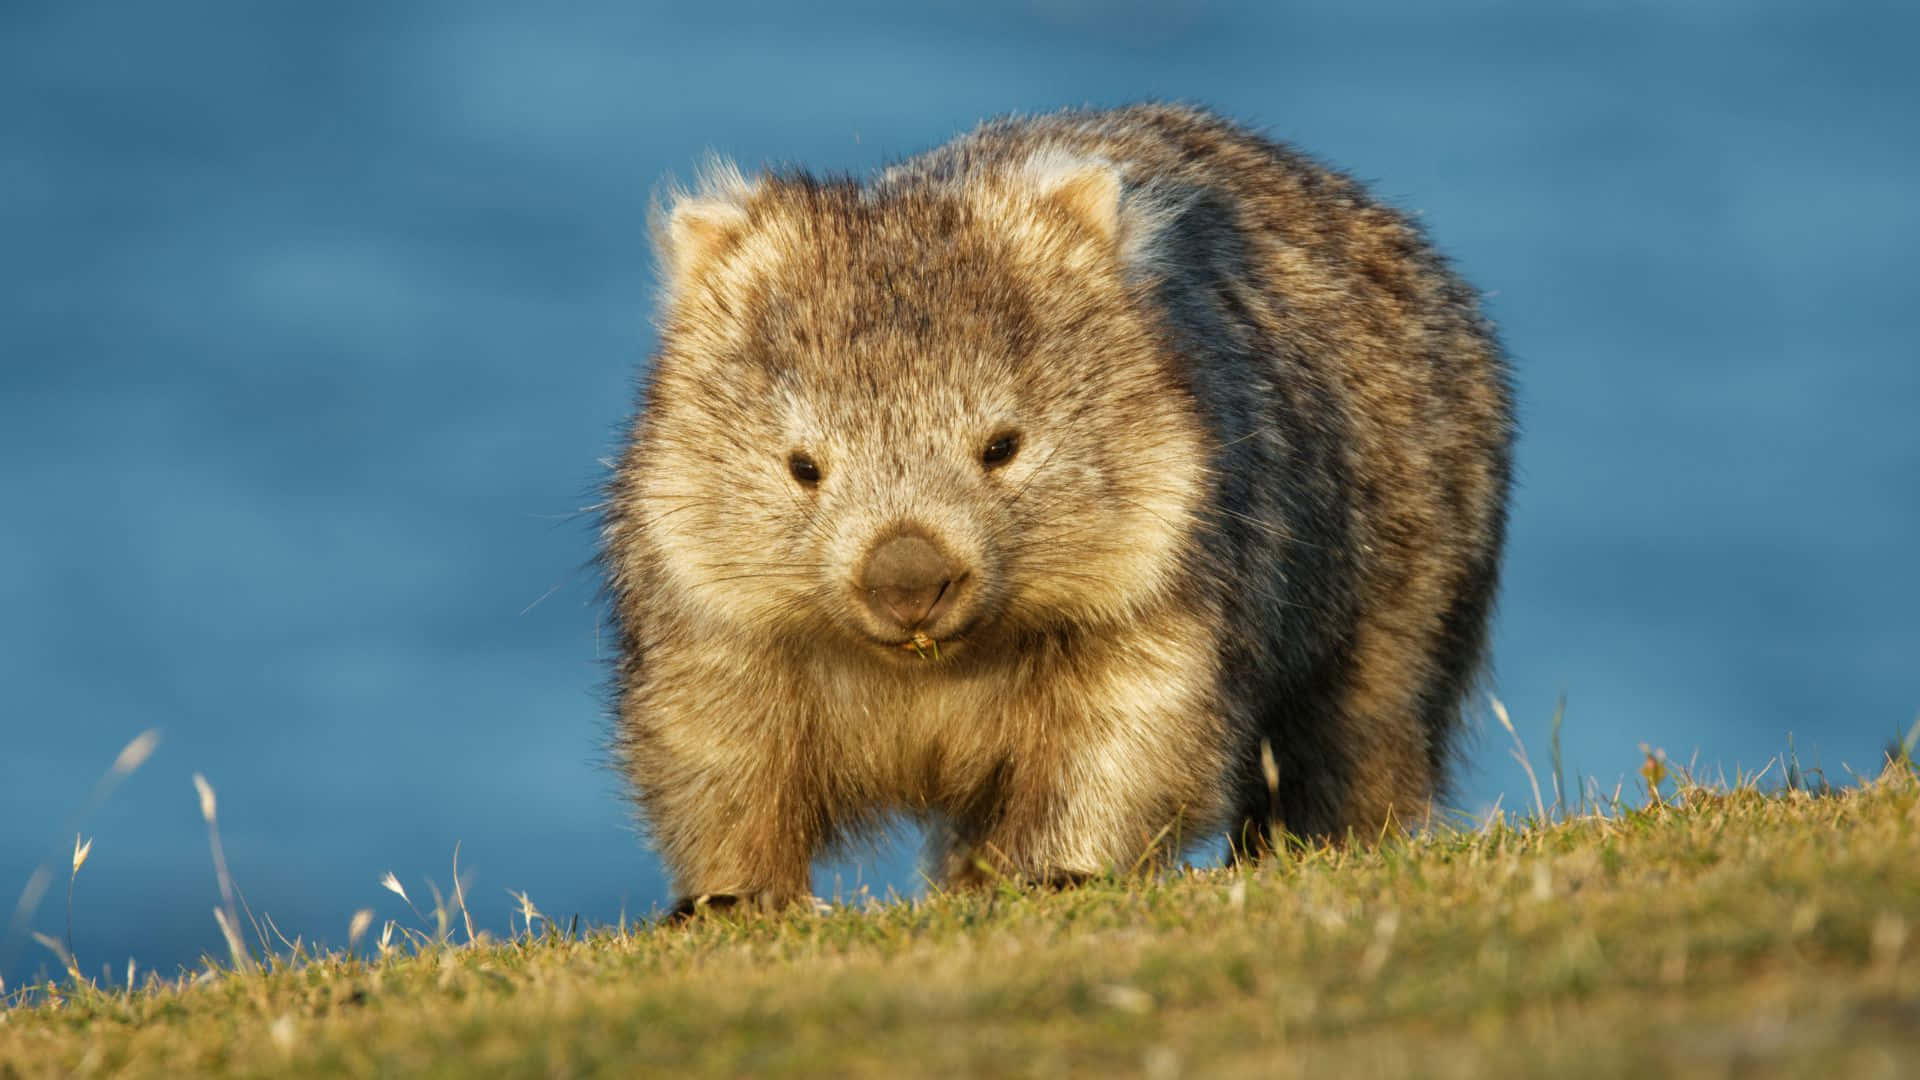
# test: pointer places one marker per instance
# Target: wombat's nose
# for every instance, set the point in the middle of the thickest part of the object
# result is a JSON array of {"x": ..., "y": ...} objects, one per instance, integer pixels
[{"x": 908, "y": 581}]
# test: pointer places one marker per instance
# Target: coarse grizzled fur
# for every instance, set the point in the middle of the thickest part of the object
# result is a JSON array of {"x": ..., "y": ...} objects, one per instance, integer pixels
[{"x": 1095, "y": 484}]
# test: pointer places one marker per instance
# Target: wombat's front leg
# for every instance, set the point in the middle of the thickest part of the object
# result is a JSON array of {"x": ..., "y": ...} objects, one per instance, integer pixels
[
  {"x": 1058, "y": 823},
  {"x": 726, "y": 790},
  {"x": 1119, "y": 764},
  {"x": 1055, "y": 837},
  {"x": 731, "y": 840}
]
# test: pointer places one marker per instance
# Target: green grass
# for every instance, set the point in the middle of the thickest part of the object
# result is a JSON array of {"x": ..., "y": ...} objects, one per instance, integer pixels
[{"x": 1706, "y": 933}]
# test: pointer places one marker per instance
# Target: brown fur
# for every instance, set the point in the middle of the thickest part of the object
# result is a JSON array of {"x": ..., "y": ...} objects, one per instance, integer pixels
[{"x": 1258, "y": 497}]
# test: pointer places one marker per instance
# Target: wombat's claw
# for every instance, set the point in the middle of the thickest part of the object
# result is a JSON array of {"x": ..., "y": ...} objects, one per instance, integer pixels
[{"x": 691, "y": 906}]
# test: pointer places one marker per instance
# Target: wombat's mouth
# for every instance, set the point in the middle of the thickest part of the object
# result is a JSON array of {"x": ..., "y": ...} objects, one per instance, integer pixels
[
  {"x": 922, "y": 644},
  {"x": 922, "y": 647}
]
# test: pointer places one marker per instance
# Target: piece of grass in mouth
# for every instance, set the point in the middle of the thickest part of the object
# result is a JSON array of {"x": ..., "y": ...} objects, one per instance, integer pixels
[{"x": 922, "y": 645}]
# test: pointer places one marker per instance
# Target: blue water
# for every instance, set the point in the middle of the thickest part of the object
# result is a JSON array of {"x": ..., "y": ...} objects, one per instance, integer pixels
[{"x": 314, "y": 324}]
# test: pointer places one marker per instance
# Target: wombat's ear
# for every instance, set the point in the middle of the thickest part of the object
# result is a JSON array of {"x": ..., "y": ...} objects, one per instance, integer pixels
[
  {"x": 1088, "y": 188},
  {"x": 693, "y": 228}
]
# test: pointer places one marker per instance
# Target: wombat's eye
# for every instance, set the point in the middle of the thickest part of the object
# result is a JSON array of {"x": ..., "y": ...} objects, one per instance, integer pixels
[
  {"x": 804, "y": 470},
  {"x": 1000, "y": 450}
]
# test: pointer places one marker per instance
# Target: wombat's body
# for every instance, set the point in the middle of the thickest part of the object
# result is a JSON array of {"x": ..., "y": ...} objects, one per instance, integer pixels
[{"x": 1032, "y": 489}]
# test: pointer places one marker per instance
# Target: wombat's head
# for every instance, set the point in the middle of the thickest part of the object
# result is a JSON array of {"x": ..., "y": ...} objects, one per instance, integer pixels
[{"x": 906, "y": 415}]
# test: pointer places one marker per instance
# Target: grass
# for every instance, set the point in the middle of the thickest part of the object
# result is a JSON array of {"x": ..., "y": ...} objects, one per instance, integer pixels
[{"x": 1711, "y": 930}]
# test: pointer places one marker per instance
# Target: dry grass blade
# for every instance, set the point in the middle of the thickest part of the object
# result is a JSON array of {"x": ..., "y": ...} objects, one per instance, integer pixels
[
  {"x": 442, "y": 915},
  {"x": 236, "y": 946},
  {"x": 528, "y": 913},
  {"x": 392, "y": 885},
  {"x": 1153, "y": 848},
  {"x": 80, "y": 853},
  {"x": 54, "y": 946},
  {"x": 1519, "y": 753},
  {"x": 131, "y": 756},
  {"x": 357, "y": 927},
  {"x": 209, "y": 806},
  {"x": 1270, "y": 772},
  {"x": 460, "y": 894},
  {"x": 227, "y": 914},
  {"x": 135, "y": 753}
]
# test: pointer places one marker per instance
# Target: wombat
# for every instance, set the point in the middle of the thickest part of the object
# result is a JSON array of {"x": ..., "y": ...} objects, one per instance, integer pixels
[{"x": 1091, "y": 486}]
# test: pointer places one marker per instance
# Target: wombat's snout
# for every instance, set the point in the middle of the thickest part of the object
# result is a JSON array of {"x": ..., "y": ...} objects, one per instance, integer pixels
[{"x": 910, "y": 583}]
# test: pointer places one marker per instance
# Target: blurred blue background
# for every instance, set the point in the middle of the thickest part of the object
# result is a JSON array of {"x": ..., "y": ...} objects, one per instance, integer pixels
[{"x": 315, "y": 321}]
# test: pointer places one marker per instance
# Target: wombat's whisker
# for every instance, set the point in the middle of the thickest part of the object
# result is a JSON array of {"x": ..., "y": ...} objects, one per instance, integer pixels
[
  {"x": 655, "y": 520},
  {"x": 1278, "y": 532},
  {"x": 754, "y": 564},
  {"x": 1044, "y": 462},
  {"x": 763, "y": 576},
  {"x": 1236, "y": 441},
  {"x": 541, "y": 599}
]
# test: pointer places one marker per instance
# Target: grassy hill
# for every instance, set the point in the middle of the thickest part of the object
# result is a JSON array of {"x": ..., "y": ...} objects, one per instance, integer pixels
[{"x": 1702, "y": 934}]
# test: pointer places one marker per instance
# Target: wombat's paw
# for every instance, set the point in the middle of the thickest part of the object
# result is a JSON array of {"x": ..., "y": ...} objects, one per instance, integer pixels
[
  {"x": 1058, "y": 880},
  {"x": 979, "y": 873},
  {"x": 731, "y": 905},
  {"x": 691, "y": 906}
]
